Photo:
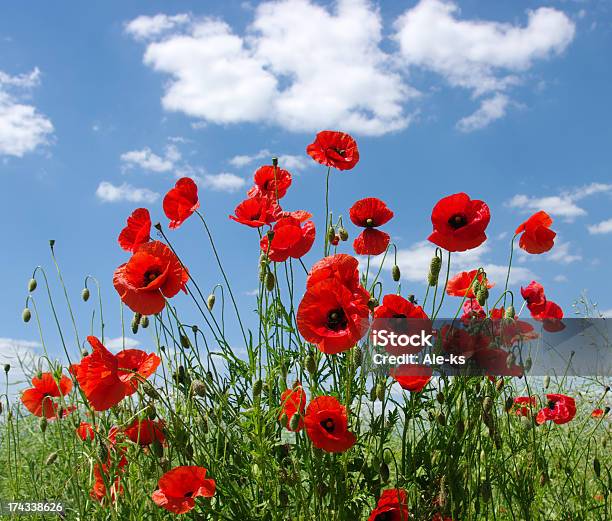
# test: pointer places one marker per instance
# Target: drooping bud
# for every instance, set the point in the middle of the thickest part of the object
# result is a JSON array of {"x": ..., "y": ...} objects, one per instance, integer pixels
[
  {"x": 144, "y": 322},
  {"x": 198, "y": 387},
  {"x": 440, "y": 397},
  {"x": 26, "y": 315},
  {"x": 135, "y": 322},
  {"x": 596, "y": 467},
  {"x": 51, "y": 459},
  {"x": 294, "y": 423},
  {"x": 395, "y": 273},
  {"x": 357, "y": 356},
  {"x": 384, "y": 472},
  {"x": 441, "y": 418},
  {"x": 510, "y": 313},
  {"x": 7, "y": 368},
  {"x": 443, "y": 493},
  {"x": 311, "y": 364},
  {"x": 460, "y": 427},
  {"x": 487, "y": 404},
  {"x": 499, "y": 384},
  {"x": 210, "y": 302},
  {"x": 380, "y": 391},
  {"x": 343, "y": 234},
  {"x": 157, "y": 448},
  {"x": 510, "y": 360},
  {"x": 528, "y": 363},
  {"x": 43, "y": 424},
  {"x": 257, "y": 388},
  {"x": 482, "y": 295},
  {"x": 546, "y": 381},
  {"x": 485, "y": 491},
  {"x": 509, "y": 404},
  {"x": 434, "y": 270},
  {"x": 373, "y": 393},
  {"x": 185, "y": 342},
  {"x": 331, "y": 234},
  {"x": 32, "y": 285},
  {"x": 85, "y": 294},
  {"x": 151, "y": 392},
  {"x": 270, "y": 281},
  {"x": 373, "y": 303}
]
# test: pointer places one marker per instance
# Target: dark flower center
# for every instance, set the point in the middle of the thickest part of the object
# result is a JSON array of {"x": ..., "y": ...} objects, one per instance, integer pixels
[
  {"x": 457, "y": 221},
  {"x": 336, "y": 319},
  {"x": 188, "y": 494},
  {"x": 399, "y": 315},
  {"x": 385, "y": 516},
  {"x": 150, "y": 276},
  {"x": 551, "y": 405},
  {"x": 370, "y": 222},
  {"x": 339, "y": 151},
  {"x": 328, "y": 425}
]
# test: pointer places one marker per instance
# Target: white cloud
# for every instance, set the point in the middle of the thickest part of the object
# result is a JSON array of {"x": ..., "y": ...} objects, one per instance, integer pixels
[
  {"x": 223, "y": 182},
  {"x": 562, "y": 253},
  {"x": 147, "y": 160},
  {"x": 560, "y": 278},
  {"x": 22, "y": 127},
  {"x": 563, "y": 205},
  {"x": 146, "y": 27},
  {"x": 116, "y": 344},
  {"x": 282, "y": 69},
  {"x": 289, "y": 162},
  {"x": 482, "y": 56},
  {"x": 109, "y": 193},
  {"x": 490, "y": 110},
  {"x": 600, "y": 228}
]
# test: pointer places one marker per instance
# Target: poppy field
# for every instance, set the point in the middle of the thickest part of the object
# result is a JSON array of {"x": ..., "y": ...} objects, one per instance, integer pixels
[{"x": 288, "y": 419}]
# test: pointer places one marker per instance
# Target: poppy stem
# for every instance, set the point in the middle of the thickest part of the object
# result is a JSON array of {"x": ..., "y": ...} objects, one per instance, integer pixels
[
  {"x": 509, "y": 267},
  {"x": 325, "y": 251}
]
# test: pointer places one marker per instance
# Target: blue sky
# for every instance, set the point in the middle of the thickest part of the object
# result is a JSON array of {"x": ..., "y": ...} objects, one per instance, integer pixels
[{"x": 102, "y": 108}]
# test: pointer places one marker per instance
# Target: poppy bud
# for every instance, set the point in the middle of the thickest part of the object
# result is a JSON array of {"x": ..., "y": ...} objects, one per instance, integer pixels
[
  {"x": 440, "y": 397},
  {"x": 597, "y": 467},
  {"x": 546, "y": 381},
  {"x": 485, "y": 491},
  {"x": 373, "y": 303},
  {"x": 543, "y": 479},
  {"x": 135, "y": 322},
  {"x": 164, "y": 463},
  {"x": 460, "y": 427},
  {"x": 441, "y": 418},
  {"x": 380, "y": 391},
  {"x": 434, "y": 270},
  {"x": 151, "y": 392},
  {"x": 7, "y": 368},
  {"x": 85, "y": 294},
  {"x": 283, "y": 419},
  {"x": 32, "y": 285},
  {"x": 482, "y": 295},
  {"x": 311, "y": 364},
  {"x": 43, "y": 424},
  {"x": 51, "y": 459},
  {"x": 499, "y": 384},
  {"x": 151, "y": 412},
  {"x": 26, "y": 315},
  {"x": 270, "y": 281},
  {"x": 373, "y": 393},
  {"x": 395, "y": 273},
  {"x": 526, "y": 422},
  {"x": 343, "y": 234},
  {"x": 180, "y": 375},
  {"x": 510, "y": 360},
  {"x": 509, "y": 404},
  {"x": 210, "y": 302},
  {"x": 185, "y": 342},
  {"x": 357, "y": 356},
  {"x": 443, "y": 494},
  {"x": 144, "y": 322},
  {"x": 294, "y": 423},
  {"x": 412, "y": 299},
  {"x": 331, "y": 234},
  {"x": 527, "y": 365},
  {"x": 487, "y": 404},
  {"x": 510, "y": 313},
  {"x": 384, "y": 472},
  {"x": 189, "y": 451},
  {"x": 157, "y": 448},
  {"x": 257, "y": 388},
  {"x": 198, "y": 387}
]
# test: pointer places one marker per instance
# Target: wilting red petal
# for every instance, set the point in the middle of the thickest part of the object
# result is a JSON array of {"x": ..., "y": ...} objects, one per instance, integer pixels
[
  {"x": 537, "y": 236},
  {"x": 181, "y": 201}
]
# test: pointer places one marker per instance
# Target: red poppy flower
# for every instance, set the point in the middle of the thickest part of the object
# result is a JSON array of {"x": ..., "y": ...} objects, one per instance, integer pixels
[
  {"x": 300, "y": 215},
  {"x": 106, "y": 379},
  {"x": 370, "y": 213},
  {"x": 495, "y": 363},
  {"x": 459, "y": 223},
  {"x": 99, "y": 491},
  {"x": 560, "y": 409},
  {"x": 472, "y": 310},
  {"x": 341, "y": 267},
  {"x": 523, "y": 404},
  {"x": 413, "y": 377},
  {"x": 137, "y": 231},
  {"x": 599, "y": 413},
  {"x": 550, "y": 316},
  {"x": 459, "y": 341},
  {"x": 145, "y": 432},
  {"x": 537, "y": 236},
  {"x": 178, "y": 488},
  {"x": 85, "y": 431},
  {"x": 293, "y": 401},
  {"x": 335, "y": 149},
  {"x": 181, "y": 201},
  {"x": 327, "y": 425},
  {"x": 392, "y": 506},
  {"x": 152, "y": 274},
  {"x": 533, "y": 294},
  {"x": 41, "y": 400},
  {"x": 271, "y": 182},
  {"x": 333, "y": 316},
  {"x": 290, "y": 239},
  {"x": 256, "y": 212},
  {"x": 462, "y": 284}
]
